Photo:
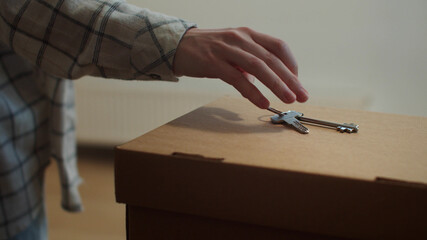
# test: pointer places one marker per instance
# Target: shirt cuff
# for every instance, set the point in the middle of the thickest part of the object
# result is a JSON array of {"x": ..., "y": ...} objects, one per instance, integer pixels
[{"x": 155, "y": 46}]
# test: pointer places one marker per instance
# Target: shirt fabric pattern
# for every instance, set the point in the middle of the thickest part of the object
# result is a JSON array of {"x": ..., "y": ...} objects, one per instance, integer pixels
[{"x": 43, "y": 43}]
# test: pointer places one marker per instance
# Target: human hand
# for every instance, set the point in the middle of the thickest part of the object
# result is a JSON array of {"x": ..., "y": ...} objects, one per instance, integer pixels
[{"x": 238, "y": 56}]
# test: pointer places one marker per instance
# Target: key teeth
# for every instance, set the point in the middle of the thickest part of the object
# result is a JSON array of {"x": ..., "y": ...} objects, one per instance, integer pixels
[
  {"x": 355, "y": 128},
  {"x": 301, "y": 128},
  {"x": 346, "y": 129}
]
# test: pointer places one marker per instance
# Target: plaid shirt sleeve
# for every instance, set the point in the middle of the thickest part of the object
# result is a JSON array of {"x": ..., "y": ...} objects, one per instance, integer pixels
[
  {"x": 73, "y": 38},
  {"x": 41, "y": 43}
]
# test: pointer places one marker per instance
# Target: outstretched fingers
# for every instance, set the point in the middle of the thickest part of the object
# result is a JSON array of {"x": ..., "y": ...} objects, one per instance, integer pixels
[
  {"x": 279, "y": 48},
  {"x": 258, "y": 68},
  {"x": 279, "y": 68},
  {"x": 242, "y": 82}
]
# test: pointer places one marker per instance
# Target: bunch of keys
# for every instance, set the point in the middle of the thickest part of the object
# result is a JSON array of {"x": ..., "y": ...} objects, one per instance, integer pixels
[{"x": 294, "y": 119}]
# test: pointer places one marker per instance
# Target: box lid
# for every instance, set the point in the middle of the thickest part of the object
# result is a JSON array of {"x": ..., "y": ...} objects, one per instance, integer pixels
[{"x": 226, "y": 160}]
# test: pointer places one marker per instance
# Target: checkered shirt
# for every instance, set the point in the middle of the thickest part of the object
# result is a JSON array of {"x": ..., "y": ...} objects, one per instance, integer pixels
[{"x": 42, "y": 44}]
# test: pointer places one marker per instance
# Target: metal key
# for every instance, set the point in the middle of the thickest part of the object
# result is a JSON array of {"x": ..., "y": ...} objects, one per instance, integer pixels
[
  {"x": 290, "y": 118},
  {"x": 345, "y": 127},
  {"x": 342, "y": 127}
]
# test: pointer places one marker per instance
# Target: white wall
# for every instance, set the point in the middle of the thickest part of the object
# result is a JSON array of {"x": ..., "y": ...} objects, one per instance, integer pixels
[{"x": 367, "y": 54}]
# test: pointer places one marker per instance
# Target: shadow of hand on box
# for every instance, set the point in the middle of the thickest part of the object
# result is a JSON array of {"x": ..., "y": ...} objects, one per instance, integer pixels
[{"x": 225, "y": 121}]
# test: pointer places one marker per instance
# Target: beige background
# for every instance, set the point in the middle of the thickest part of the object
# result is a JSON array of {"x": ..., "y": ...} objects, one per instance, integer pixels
[{"x": 368, "y": 55}]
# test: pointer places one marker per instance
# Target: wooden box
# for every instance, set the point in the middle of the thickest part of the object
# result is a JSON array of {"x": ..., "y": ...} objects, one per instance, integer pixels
[{"x": 224, "y": 171}]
